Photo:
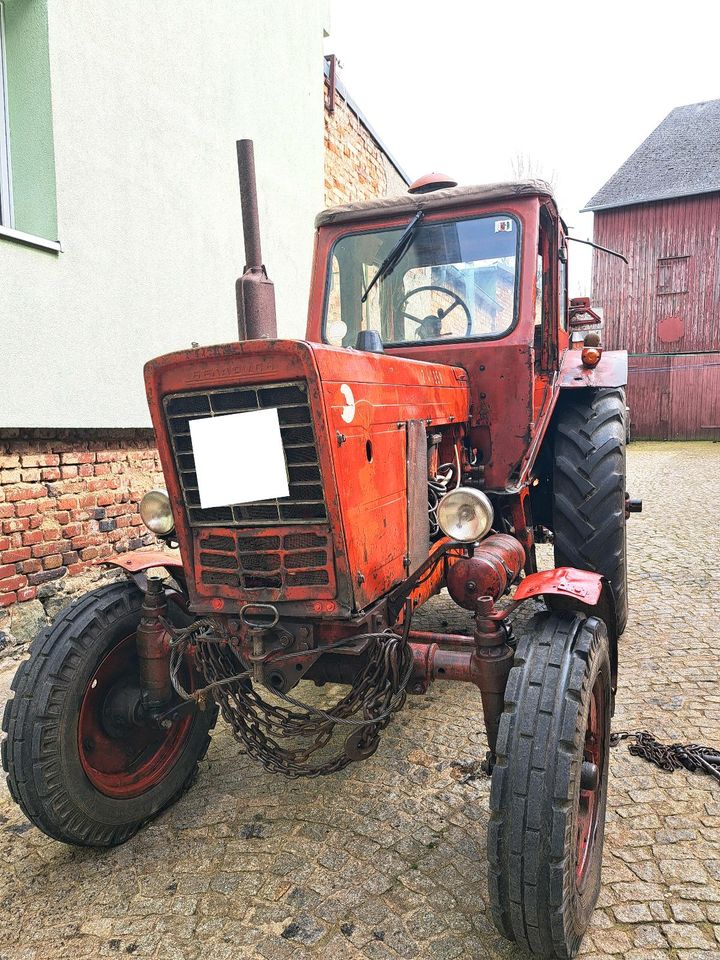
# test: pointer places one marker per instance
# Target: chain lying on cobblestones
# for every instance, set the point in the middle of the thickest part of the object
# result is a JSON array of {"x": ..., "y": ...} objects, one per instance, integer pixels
[
  {"x": 377, "y": 693},
  {"x": 672, "y": 756}
]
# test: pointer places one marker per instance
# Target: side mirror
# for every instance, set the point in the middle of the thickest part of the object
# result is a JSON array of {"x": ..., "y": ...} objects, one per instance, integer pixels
[{"x": 582, "y": 316}]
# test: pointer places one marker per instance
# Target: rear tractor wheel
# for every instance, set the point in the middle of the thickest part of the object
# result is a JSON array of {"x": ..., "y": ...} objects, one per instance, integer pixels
[
  {"x": 82, "y": 763},
  {"x": 588, "y": 505},
  {"x": 549, "y": 785}
]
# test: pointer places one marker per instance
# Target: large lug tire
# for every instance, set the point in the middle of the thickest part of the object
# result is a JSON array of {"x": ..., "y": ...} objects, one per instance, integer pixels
[
  {"x": 589, "y": 489},
  {"x": 74, "y": 780},
  {"x": 549, "y": 785}
]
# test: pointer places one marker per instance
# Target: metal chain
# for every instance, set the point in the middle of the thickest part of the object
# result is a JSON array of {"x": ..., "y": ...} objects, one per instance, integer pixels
[
  {"x": 377, "y": 693},
  {"x": 672, "y": 756}
]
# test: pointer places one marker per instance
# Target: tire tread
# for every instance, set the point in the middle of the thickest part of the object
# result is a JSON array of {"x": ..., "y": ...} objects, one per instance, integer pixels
[
  {"x": 528, "y": 905},
  {"x": 589, "y": 488},
  {"x": 28, "y": 758}
]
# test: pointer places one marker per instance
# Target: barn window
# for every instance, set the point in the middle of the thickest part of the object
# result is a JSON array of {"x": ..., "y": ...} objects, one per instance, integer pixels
[{"x": 672, "y": 275}]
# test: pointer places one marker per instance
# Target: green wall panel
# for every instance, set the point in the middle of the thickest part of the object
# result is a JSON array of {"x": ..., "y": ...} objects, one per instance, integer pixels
[{"x": 30, "y": 110}]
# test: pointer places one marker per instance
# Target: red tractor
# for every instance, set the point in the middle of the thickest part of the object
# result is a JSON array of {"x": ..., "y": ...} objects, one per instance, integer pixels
[{"x": 443, "y": 415}]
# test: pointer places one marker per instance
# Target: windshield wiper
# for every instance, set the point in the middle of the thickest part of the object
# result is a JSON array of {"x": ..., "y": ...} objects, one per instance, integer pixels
[{"x": 396, "y": 254}]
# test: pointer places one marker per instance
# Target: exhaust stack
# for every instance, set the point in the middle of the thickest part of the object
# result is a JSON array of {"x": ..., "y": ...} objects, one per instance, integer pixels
[{"x": 254, "y": 292}]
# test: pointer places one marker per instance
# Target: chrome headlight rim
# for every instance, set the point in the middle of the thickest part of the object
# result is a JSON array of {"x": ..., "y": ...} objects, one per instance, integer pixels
[
  {"x": 482, "y": 511},
  {"x": 156, "y": 512}
]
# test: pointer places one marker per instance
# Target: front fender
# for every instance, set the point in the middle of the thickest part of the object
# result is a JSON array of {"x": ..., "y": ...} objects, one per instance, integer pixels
[
  {"x": 137, "y": 563},
  {"x": 573, "y": 589}
]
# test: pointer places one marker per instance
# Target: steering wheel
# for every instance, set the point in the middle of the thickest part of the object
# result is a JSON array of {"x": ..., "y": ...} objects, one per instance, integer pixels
[{"x": 429, "y": 327}]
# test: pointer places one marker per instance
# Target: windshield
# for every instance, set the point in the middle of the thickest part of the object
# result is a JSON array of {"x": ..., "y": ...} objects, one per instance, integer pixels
[{"x": 454, "y": 280}]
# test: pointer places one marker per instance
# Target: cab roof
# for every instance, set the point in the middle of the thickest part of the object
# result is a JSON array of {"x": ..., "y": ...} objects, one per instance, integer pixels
[{"x": 409, "y": 203}]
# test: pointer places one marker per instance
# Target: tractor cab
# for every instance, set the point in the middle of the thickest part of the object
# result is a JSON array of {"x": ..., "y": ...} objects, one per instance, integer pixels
[{"x": 466, "y": 276}]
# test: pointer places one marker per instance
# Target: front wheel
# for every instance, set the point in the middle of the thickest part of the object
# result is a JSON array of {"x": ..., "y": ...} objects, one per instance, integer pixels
[
  {"x": 549, "y": 785},
  {"x": 79, "y": 771}
]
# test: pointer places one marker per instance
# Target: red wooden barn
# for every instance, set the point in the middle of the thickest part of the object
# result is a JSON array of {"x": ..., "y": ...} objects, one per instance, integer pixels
[{"x": 661, "y": 209}]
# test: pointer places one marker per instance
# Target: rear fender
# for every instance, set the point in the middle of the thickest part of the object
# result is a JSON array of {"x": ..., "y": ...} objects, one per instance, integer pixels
[
  {"x": 573, "y": 589},
  {"x": 611, "y": 371}
]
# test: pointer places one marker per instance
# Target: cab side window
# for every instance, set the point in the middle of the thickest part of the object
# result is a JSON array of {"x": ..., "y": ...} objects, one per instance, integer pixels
[{"x": 562, "y": 294}]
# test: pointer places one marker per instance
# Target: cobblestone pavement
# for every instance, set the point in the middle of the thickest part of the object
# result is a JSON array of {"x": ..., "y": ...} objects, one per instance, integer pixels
[{"x": 387, "y": 859}]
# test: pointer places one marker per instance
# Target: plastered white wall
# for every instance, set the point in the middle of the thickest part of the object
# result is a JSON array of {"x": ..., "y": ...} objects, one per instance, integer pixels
[{"x": 149, "y": 97}]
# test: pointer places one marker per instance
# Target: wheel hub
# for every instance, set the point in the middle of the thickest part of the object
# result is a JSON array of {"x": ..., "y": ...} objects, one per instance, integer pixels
[
  {"x": 122, "y": 710},
  {"x": 123, "y": 753},
  {"x": 591, "y": 781}
]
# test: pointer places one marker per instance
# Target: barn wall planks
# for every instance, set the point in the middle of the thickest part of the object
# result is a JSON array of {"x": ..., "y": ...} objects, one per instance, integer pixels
[
  {"x": 675, "y": 397},
  {"x": 664, "y": 308}
]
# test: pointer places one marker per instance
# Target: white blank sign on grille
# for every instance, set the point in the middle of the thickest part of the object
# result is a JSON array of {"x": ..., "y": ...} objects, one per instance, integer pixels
[{"x": 239, "y": 458}]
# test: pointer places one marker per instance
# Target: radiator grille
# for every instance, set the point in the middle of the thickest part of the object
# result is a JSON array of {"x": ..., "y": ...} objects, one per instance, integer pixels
[
  {"x": 306, "y": 503},
  {"x": 266, "y": 565}
]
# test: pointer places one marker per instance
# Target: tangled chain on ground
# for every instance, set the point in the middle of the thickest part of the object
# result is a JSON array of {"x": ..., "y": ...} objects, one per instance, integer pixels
[
  {"x": 672, "y": 756},
  {"x": 378, "y": 692}
]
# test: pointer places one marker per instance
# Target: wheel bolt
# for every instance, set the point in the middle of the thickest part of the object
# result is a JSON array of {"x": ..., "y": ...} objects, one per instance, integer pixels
[{"x": 589, "y": 776}]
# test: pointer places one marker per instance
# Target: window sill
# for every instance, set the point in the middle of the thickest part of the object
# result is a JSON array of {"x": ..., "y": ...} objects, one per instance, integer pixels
[{"x": 30, "y": 240}]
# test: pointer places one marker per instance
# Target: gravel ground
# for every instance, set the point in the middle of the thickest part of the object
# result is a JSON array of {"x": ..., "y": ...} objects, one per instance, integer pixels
[{"x": 387, "y": 858}]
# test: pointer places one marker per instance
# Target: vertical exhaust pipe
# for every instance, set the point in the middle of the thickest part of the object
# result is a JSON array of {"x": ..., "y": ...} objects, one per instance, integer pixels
[{"x": 254, "y": 292}]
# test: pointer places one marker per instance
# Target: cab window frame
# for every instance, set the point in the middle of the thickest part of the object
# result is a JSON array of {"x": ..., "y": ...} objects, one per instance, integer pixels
[{"x": 429, "y": 219}]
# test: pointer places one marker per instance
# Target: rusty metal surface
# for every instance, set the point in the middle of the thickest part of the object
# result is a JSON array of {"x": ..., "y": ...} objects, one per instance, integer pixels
[
  {"x": 254, "y": 292},
  {"x": 140, "y": 560},
  {"x": 611, "y": 371},
  {"x": 418, "y": 533},
  {"x": 432, "y": 181},
  {"x": 364, "y": 398},
  {"x": 495, "y": 564},
  {"x": 580, "y": 585},
  {"x": 265, "y": 564},
  {"x": 153, "y": 651}
]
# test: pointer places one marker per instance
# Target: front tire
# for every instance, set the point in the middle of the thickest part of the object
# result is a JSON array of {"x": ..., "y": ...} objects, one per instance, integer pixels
[
  {"x": 549, "y": 785},
  {"x": 76, "y": 778}
]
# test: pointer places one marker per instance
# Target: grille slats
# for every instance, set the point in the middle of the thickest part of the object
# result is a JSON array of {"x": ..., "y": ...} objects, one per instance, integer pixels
[
  {"x": 264, "y": 565},
  {"x": 306, "y": 502}
]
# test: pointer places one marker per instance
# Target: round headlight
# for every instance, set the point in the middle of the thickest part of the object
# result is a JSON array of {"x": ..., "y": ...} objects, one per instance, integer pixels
[
  {"x": 465, "y": 514},
  {"x": 156, "y": 513}
]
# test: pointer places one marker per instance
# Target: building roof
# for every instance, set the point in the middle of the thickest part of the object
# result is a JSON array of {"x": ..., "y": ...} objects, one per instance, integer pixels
[
  {"x": 409, "y": 203},
  {"x": 680, "y": 158}
]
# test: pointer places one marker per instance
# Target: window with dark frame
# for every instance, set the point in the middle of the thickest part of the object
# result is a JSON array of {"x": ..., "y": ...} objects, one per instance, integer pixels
[{"x": 672, "y": 275}]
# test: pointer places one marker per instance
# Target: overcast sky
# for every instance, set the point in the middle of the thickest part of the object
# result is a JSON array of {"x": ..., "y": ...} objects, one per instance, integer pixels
[{"x": 465, "y": 87}]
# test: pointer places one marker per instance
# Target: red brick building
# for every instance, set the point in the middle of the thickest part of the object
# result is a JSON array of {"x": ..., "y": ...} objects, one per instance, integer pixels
[{"x": 661, "y": 209}]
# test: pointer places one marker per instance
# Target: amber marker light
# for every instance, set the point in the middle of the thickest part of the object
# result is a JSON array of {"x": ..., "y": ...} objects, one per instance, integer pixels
[{"x": 590, "y": 356}]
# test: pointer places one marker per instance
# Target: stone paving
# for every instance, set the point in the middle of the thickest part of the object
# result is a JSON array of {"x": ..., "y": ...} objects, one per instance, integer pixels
[{"x": 387, "y": 859}]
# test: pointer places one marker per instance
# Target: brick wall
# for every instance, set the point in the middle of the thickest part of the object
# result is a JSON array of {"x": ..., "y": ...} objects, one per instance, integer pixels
[
  {"x": 67, "y": 499},
  {"x": 356, "y": 168}
]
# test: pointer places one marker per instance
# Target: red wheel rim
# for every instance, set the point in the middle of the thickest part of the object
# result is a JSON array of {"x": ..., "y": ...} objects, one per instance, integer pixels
[
  {"x": 127, "y": 766},
  {"x": 589, "y": 797}
]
